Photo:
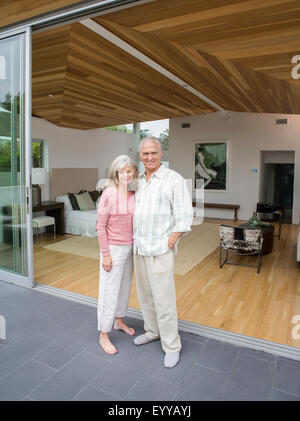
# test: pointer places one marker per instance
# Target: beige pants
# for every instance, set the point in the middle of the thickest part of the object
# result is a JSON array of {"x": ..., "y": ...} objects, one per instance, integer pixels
[
  {"x": 157, "y": 297},
  {"x": 114, "y": 287}
]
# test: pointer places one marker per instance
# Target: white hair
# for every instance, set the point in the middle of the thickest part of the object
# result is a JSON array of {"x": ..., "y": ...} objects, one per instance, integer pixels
[
  {"x": 150, "y": 139},
  {"x": 117, "y": 165}
]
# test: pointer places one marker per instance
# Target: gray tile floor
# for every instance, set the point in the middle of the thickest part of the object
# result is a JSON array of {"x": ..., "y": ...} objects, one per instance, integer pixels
[{"x": 52, "y": 353}]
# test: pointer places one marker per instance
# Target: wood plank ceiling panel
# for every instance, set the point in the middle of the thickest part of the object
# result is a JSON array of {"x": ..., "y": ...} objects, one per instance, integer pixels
[
  {"x": 13, "y": 11},
  {"x": 49, "y": 54},
  {"x": 100, "y": 83},
  {"x": 237, "y": 53}
]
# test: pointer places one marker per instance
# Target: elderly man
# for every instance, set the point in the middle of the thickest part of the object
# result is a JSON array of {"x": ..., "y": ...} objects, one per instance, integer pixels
[{"x": 163, "y": 212}]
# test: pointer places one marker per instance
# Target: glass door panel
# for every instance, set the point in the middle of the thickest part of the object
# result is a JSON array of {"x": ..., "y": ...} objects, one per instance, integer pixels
[{"x": 15, "y": 215}]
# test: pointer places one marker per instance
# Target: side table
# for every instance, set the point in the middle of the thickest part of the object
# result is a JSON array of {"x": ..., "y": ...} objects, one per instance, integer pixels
[
  {"x": 271, "y": 214},
  {"x": 268, "y": 237}
]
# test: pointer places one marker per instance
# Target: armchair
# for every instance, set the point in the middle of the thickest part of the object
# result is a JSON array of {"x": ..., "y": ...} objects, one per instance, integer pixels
[{"x": 244, "y": 241}]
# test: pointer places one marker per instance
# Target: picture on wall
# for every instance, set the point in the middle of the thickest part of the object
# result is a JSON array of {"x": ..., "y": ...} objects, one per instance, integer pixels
[{"x": 211, "y": 165}]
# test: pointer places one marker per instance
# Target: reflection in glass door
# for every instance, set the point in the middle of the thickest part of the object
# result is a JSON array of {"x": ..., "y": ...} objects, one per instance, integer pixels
[{"x": 15, "y": 213}]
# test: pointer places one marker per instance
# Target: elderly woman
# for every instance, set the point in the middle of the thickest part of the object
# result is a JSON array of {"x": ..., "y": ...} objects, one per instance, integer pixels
[{"x": 115, "y": 235}]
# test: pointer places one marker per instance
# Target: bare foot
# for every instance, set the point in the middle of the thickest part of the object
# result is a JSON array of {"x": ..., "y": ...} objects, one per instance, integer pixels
[
  {"x": 120, "y": 325},
  {"x": 107, "y": 346}
]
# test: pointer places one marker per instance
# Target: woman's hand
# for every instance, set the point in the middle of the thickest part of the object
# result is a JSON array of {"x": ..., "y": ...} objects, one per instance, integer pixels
[{"x": 107, "y": 263}]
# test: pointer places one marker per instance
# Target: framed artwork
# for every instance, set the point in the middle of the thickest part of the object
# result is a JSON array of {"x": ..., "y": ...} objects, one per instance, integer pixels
[{"x": 211, "y": 165}]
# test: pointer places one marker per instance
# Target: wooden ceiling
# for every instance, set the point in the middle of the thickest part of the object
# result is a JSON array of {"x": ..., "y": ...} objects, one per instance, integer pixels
[
  {"x": 14, "y": 11},
  {"x": 237, "y": 53},
  {"x": 93, "y": 83}
]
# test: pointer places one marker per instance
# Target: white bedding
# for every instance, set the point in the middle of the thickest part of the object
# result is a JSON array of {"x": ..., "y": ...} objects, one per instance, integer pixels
[
  {"x": 79, "y": 222},
  {"x": 88, "y": 215}
]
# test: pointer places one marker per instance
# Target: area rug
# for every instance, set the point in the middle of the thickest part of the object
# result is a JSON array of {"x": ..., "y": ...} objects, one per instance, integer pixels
[
  {"x": 195, "y": 246},
  {"x": 79, "y": 245},
  {"x": 192, "y": 249}
]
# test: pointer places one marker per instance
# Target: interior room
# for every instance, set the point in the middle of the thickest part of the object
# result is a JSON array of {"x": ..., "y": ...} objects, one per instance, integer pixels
[
  {"x": 222, "y": 77},
  {"x": 232, "y": 298}
]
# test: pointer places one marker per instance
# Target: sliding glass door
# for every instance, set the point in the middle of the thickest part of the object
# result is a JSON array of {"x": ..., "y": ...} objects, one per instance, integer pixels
[{"x": 15, "y": 158}]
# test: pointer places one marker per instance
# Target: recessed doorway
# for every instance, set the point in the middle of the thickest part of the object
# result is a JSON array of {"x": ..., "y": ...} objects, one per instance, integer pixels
[{"x": 277, "y": 181}]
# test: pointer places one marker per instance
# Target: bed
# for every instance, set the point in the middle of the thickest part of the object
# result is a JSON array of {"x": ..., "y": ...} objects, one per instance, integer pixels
[
  {"x": 78, "y": 222},
  {"x": 69, "y": 180}
]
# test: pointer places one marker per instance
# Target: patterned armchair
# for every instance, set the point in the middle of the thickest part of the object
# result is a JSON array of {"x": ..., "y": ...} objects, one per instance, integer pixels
[{"x": 244, "y": 241}]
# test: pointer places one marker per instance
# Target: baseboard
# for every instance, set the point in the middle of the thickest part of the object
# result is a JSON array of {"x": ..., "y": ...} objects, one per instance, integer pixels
[{"x": 273, "y": 348}]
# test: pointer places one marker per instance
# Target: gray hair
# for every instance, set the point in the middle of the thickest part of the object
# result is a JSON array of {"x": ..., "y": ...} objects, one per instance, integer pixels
[
  {"x": 150, "y": 139},
  {"x": 117, "y": 165}
]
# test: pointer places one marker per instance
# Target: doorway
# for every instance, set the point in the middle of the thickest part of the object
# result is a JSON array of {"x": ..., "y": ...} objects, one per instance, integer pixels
[
  {"x": 192, "y": 301},
  {"x": 207, "y": 296},
  {"x": 284, "y": 188},
  {"x": 277, "y": 181}
]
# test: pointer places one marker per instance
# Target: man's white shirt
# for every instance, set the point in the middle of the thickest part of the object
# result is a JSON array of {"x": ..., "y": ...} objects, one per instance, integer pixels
[{"x": 163, "y": 205}]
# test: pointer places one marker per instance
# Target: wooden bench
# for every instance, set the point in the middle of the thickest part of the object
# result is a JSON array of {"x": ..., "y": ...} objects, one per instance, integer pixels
[{"x": 222, "y": 206}]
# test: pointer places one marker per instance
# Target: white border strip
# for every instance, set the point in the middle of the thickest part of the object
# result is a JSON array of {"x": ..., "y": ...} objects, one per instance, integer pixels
[
  {"x": 109, "y": 36},
  {"x": 197, "y": 329}
]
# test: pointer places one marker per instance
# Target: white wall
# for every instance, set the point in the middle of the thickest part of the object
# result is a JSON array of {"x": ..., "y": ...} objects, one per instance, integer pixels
[
  {"x": 70, "y": 148},
  {"x": 282, "y": 157},
  {"x": 248, "y": 134}
]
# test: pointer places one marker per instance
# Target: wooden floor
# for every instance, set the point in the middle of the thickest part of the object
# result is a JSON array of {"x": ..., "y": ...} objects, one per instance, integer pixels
[{"x": 234, "y": 298}]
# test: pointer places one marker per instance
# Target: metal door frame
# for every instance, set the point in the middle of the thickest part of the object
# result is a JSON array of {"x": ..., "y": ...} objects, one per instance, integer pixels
[{"x": 7, "y": 276}]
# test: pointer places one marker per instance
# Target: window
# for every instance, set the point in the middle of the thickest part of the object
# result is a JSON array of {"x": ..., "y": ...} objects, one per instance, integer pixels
[
  {"x": 125, "y": 128},
  {"x": 159, "y": 129},
  {"x": 37, "y": 154},
  {"x": 5, "y": 154},
  {"x": 5, "y": 135}
]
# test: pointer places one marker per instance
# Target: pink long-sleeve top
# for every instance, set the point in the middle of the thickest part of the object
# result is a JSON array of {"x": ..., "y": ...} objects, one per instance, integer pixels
[{"x": 114, "y": 219}]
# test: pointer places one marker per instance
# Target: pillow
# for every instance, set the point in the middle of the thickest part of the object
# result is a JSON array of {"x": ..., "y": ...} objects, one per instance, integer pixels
[
  {"x": 85, "y": 202},
  {"x": 95, "y": 194},
  {"x": 73, "y": 201}
]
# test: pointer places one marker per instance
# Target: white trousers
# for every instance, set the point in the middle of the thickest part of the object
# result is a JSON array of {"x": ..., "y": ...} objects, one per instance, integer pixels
[
  {"x": 157, "y": 297},
  {"x": 114, "y": 287}
]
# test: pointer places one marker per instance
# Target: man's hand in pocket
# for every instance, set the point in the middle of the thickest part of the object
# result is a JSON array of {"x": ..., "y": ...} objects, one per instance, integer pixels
[{"x": 174, "y": 237}]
